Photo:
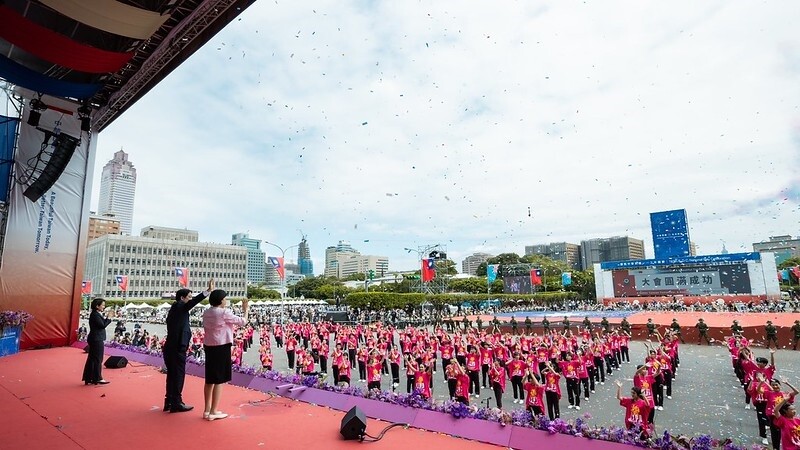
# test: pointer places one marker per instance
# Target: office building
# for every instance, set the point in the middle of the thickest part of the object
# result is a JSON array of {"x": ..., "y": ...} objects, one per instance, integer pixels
[
  {"x": 256, "y": 269},
  {"x": 150, "y": 266},
  {"x": 332, "y": 256},
  {"x": 350, "y": 264},
  {"x": 117, "y": 190},
  {"x": 470, "y": 264},
  {"x": 102, "y": 225},
  {"x": 570, "y": 254},
  {"x": 170, "y": 234},
  {"x": 617, "y": 248},
  {"x": 784, "y": 247}
]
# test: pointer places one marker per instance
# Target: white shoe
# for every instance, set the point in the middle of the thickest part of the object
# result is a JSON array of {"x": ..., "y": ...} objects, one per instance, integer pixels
[
  {"x": 602, "y": 382},
  {"x": 592, "y": 391},
  {"x": 586, "y": 399},
  {"x": 216, "y": 416},
  {"x": 669, "y": 397},
  {"x": 747, "y": 406},
  {"x": 578, "y": 408},
  {"x": 570, "y": 406},
  {"x": 764, "y": 441},
  {"x": 660, "y": 408}
]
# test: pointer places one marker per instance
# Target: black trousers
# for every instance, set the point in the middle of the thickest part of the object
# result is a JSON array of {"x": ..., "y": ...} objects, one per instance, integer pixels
[
  {"x": 585, "y": 383},
  {"x": 323, "y": 364},
  {"x": 290, "y": 357},
  {"x": 175, "y": 360},
  {"x": 658, "y": 392},
  {"x": 775, "y": 434},
  {"x": 93, "y": 369},
  {"x": 396, "y": 373},
  {"x": 761, "y": 416},
  {"x": 335, "y": 373},
  {"x": 484, "y": 373},
  {"x": 474, "y": 382},
  {"x": 667, "y": 375},
  {"x": 409, "y": 383},
  {"x": 553, "y": 410},
  {"x": 592, "y": 374},
  {"x": 599, "y": 370},
  {"x": 574, "y": 391},
  {"x": 625, "y": 356},
  {"x": 498, "y": 394},
  {"x": 516, "y": 384}
]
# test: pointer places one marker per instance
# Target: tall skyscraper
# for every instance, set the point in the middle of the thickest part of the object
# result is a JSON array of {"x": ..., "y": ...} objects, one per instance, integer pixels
[
  {"x": 470, "y": 264},
  {"x": 117, "y": 190},
  {"x": 304, "y": 258},
  {"x": 559, "y": 251}
]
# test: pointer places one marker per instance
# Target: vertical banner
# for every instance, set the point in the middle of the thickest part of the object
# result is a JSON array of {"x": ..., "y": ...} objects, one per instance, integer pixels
[
  {"x": 566, "y": 279},
  {"x": 45, "y": 244},
  {"x": 428, "y": 270},
  {"x": 8, "y": 137},
  {"x": 491, "y": 273}
]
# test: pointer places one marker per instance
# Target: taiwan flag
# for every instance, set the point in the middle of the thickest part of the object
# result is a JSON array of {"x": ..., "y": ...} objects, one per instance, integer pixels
[
  {"x": 428, "y": 270},
  {"x": 122, "y": 282},
  {"x": 183, "y": 276},
  {"x": 86, "y": 287},
  {"x": 795, "y": 271},
  {"x": 536, "y": 277},
  {"x": 277, "y": 263}
]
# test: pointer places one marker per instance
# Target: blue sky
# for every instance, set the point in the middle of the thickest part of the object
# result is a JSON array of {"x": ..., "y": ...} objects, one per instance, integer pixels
[{"x": 408, "y": 123}]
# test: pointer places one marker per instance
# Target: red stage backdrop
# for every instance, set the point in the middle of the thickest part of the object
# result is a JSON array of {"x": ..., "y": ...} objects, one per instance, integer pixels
[{"x": 43, "y": 257}]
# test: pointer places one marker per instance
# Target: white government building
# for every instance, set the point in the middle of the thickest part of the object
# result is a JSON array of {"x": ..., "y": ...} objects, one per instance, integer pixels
[{"x": 150, "y": 264}]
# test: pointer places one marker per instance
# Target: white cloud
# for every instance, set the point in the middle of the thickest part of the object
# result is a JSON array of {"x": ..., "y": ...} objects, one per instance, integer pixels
[{"x": 305, "y": 116}]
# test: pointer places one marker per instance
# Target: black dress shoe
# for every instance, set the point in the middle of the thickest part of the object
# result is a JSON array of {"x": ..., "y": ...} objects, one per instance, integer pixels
[
  {"x": 167, "y": 405},
  {"x": 103, "y": 382},
  {"x": 180, "y": 407}
]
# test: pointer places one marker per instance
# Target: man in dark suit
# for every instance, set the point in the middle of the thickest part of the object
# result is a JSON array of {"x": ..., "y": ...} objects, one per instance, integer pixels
[{"x": 179, "y": 334}]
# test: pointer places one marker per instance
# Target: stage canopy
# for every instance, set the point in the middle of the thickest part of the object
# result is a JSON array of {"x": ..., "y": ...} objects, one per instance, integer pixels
[{"x": 108, "y": 53}]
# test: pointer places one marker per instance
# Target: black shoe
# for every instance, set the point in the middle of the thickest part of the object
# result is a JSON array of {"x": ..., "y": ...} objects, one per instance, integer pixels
[
  {"x": 180, "y": 407},
  {"x": 167, "y": 405}
]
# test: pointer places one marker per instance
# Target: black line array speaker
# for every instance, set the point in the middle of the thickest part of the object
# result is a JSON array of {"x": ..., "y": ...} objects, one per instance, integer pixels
[
  {"x": 354, "y": 424},
  {"x": 63, "y": 149},
  {"x": 116, "y": 362}
]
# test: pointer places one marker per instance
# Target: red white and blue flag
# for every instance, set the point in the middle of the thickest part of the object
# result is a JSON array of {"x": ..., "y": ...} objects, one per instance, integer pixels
[
  {"x": 428, "y": 270},
  {"x": 536, "y": 277},
  {"x": 277, "y": 263},
  {"x": 122, "y": 282},
  {"x": 183, "y": 276},
  {"x": 86, "y": 287}
]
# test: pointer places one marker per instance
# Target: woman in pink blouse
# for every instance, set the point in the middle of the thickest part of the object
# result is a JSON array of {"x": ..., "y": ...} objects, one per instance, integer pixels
[{"x": 218, "y": 324}]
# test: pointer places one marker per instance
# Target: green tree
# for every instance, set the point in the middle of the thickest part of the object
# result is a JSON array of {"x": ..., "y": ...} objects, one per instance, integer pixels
[
  {"x": 446, "y": 267},
  {"x": 355, "y": 277},
  {"x": 259, "y": 292},
  {"x": 583, "y": 284},
  {"x": 473, "y": 285},
  {"x": 791, "y": 262}
]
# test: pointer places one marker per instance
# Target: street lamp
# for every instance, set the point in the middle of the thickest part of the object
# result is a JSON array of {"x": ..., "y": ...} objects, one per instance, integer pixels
[{"x": 283, "y": 278}]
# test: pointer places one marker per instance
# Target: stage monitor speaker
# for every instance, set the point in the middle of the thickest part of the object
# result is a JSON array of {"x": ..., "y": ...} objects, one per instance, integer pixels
[
  {"x": 116, "y": 362},
  {"x": 63, "y": 149},
  {"x": 354, "y": 424}
]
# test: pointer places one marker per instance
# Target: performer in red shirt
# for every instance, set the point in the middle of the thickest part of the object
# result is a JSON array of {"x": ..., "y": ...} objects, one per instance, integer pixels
[
  {"x": 645, "y": 382},
  {"x": 636, "y": 408},
  {"x": 473, "y": 369},
  {"x": 570, "y": 370},
  {"x": 775, "y": 396},
  {"x": 534, "y": 395},
  {"x": 422, "y": 381},
  {"x": 788, "y": 423},
  {"x": 516, "y": 370},
  {"x": 552, "y": 391},
  {"x": 497, "y": 378}
]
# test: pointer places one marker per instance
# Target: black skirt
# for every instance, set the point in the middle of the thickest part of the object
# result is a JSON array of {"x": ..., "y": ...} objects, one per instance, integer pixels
[{"x": 218, "y": 363}]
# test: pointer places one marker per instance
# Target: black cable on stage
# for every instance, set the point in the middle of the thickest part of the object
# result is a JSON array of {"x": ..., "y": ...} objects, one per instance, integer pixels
[{"x": 380, "y": 435}]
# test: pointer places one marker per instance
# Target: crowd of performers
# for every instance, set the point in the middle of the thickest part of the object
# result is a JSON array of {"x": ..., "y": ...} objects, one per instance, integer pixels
[
  {"x": 533, "y": 364},
  {"x": 773, "y": 406}
]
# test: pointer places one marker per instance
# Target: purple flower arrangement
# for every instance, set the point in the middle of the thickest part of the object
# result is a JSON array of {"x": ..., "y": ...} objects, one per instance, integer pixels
[
  {"x": 522, "y": 418},
  {"x": 14, "y": 319}
]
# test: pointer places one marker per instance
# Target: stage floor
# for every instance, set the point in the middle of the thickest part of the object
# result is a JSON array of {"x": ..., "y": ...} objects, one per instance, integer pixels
[{"x": 46, "y": 406}]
